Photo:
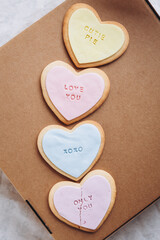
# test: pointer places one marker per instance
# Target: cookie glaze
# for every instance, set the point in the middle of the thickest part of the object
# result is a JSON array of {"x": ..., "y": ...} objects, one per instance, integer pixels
[
  {"x": 90, "y": 40},
  {"x": 84, "y": 206},
  {"x": 73, "y": 95},
  {"x": 72, "y": 151}
]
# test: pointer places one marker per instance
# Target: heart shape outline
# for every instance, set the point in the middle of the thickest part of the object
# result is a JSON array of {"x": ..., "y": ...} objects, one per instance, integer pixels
[
  {"x": 91, "y": 174},
  {"x": 68, "y": 46},
  {"x": 50, "y": 103},
  {"x": 93, "y": 162}
]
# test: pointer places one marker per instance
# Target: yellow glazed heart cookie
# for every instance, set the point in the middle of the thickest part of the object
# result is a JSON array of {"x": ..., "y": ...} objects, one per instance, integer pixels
[
  {"x": 84, "y": 205},
  {"x": 89, "y": 41}
]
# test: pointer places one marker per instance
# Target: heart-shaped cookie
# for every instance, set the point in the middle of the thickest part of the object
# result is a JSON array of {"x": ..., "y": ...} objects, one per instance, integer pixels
[
  {"x": 72, "y": 95},
  {"x": 72, "y": 152},
  {"x": 89, "y": 41},
  {"x": 85, "y": 205}
]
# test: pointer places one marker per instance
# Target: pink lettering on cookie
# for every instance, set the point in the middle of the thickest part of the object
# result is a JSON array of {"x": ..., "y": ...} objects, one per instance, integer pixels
[
  {"x": 73, "y": 92},
  {"x": 83, "y": 204},
  {"x": 82, "y": 201}
]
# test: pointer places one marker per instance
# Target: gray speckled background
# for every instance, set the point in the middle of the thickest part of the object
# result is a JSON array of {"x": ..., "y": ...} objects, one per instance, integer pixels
[{"x": 17, "y": 221}]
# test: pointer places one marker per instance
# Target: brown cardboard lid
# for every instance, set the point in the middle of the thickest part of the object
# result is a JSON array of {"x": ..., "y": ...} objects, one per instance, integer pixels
[{"x": 130, "y": 116}]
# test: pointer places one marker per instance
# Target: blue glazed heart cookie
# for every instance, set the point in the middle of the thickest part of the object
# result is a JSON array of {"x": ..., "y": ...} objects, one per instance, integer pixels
[{"x": 72, "y": 152}]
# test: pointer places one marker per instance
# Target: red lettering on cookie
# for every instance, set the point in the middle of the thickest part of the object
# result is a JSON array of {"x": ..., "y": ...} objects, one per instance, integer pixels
[
  {"x": 81, "y": 89},
  {"x": 90, "y": 205},
  {"x": 85, "y": 207},
  {"x": 90, "y": 197},
  {"x": 76, "y": 87},
  {"x": 67, "y": 95},
  {"x": 75, "y": 202},
  {"x": 65, "y": 87},
  {"x": 70, "y": 87},
  {"x": 78, "y": 97},
  {"x": 72, "y": 97}
]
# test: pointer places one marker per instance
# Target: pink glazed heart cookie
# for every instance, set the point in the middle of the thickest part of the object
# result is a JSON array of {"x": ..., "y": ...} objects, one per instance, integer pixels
[
  {"x": 86, "y": 205},
  {"x": 72, "y": 95}
]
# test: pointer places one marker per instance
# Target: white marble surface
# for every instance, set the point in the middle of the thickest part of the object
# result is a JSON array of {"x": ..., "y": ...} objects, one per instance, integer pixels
[
  {"x": 17, "y": 221},
  {"x": 156, "y": 5}
]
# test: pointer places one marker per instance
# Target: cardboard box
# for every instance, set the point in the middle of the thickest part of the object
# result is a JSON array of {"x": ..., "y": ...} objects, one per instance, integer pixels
[{"x": 130, "y": 116}]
